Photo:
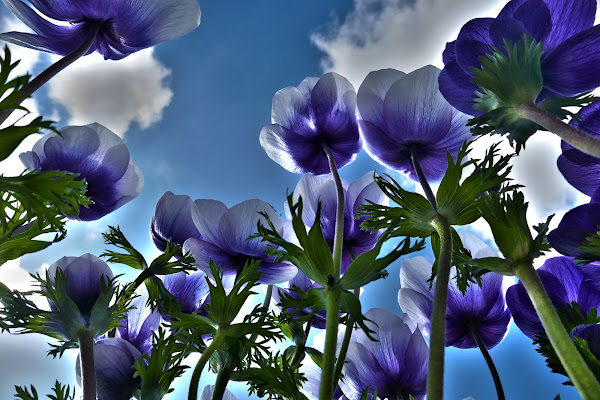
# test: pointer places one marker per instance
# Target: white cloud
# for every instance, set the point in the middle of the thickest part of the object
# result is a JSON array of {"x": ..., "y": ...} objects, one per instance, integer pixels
[
  {"x": 113, "y": 93},
  {"x": 394, "y": 34}
]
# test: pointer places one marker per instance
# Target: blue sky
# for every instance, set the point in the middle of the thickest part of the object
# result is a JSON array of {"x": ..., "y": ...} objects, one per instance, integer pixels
[{"x": 191, "y": 111}]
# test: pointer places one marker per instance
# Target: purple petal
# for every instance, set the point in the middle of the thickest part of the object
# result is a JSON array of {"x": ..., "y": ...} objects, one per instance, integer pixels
[
  {"x": 62, "y": 10},
  {"x": 473, "y": 41},
  {"x": 535, "y": 16},
  {"x": 363, "y": 371},
  {"x": 139, "y": 325},
  {"x": 505, "y": 29},
  {"x": 575, "y": 226},
  {"x": 415, "y": 110},
  {"x": 568, "y": 19},
  {"x": 333, "y": 101},
  {"x": 581, "y": 170},
  {"x": 207, "y": 394},
  {"x": 173, "y": 220},
  {"x": 383, "y": 148},
  {"x": 314, "y": 189},
  {"x": 295, "y": 153},
  {"x": 457, "y": 88},
  {"x": 189, "y": 289},
  {"x": 203, "y": 252},
  {"x": 573, "y": 66},
  {"x": 449, "y": 53},
  {"x": 113, "y": 361},
  {"x": 290, "y": 109},
  {"x": 273, "y": 273},
  {"x": 371, "y": 95},
  {"x": 206, "y": 215},
  {"x": 239, "y": 223},
  {"x": 522, "y": 311},
  {"x": 591, "y": 334}
]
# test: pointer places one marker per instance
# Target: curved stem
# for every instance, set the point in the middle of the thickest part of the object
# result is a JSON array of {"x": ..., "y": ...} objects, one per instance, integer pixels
[
  {"x": 576, "y": 368},
  {"x": 145, "y": 274},
  {"x": 299, "y": 353},
  {"x": 55, "y": 68},
  {"x": 217, "y": 339},
  {"x": 587, "y": 143},
  {"x": 223, "y": 378},
  {"x": 333, "y": 319},
  {"x": 338, "y": 238},
  {"x": 489, "y": 361},
  {"x": 88, "y": 369},
  {"x": 344, "y": 347},
  {"x": 437, "y": 341},
  {"x": 422, "y": 180}
]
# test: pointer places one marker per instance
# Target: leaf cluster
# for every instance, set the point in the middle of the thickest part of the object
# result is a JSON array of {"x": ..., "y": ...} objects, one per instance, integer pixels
[
  {"x": 61, "y": 392},
  {"x": 571, "y": 317}
]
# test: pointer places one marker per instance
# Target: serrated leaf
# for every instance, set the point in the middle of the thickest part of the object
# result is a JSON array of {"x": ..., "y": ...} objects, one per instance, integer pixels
[{"x": 412, "y": 217}]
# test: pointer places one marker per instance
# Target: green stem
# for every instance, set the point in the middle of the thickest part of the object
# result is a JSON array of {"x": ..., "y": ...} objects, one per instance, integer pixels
[
  {"x": 423, "y": 180},
  {"x": 266, "y": 303},
  {"x": 489, "y": 361},
  {"x": 587, "y": 143},
  {"x": 338, "y": 238},
  {"x": 333, "y": 320},
  {"x": 217, "y": 339},
  {"x": 223, "y": 378},
  {"x": 299, "y": 353},
  {"x": 145, "y": 274},
  {"x": 55, "y": 68},
  {"x": 344, "y": 347},
  {"x": 437, "y": 341},
  {"x": 576, "y": 368},
  {"x": 88, "y": 370}
]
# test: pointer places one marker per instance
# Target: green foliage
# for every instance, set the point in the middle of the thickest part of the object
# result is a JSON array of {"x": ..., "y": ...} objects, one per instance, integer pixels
[
  {"x": 366, "y": 396},
  {"x": 34, "y": 204},
  {"x": 513, "y": 75},
  {"x": 571, "y": 317},
  {"x": 273, "y": 378},
  {"x": 367, "y": 267},
  {"x": 412, "y": 217},
  {"x": 61, "y": 392},
  {"x": 507, "y": 217},
  {"x": 12, "y": 93},
  {"x": 130, "y": 257},
  {"x": 223, "y": 308},
  {"x": 459, "y": 201},
  {"x": 312, "y": 257},
  {"x": 159, "y": 369},
  {"x": 590, "y": 249}
]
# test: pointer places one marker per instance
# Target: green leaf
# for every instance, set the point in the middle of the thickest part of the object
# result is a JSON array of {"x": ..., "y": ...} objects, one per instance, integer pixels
[
  {"x": 350, "y": 304},
  {"x": 34, "y": 204},
  {"x": 223, "y": 308},
  {"x": 159, "y": 369},
  {"x": 590, "y": 249},
  {"x": 412, "y": 217},
  {"x": 312, "y": 257},
  {"x": 367, "y": 267},
  {"x": 131, "y": 257},
  {"x": 459, "y": 202},
  {"x": 507, "y": 217}
]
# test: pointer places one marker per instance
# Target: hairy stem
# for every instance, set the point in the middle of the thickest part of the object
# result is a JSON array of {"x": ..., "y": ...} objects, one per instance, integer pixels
[
  {"x": 489, "y": 361},
  {"x": 333, "y": 319},
  {"x": 435, "y": 379},
  {"x": 344, "y": 347},
  {"x": 216, "y": 341},
  {"x": 88, "y": 370},
  {"x": 587, "y": 143},
  {"x": 338, "y": 238},
  {"x": 576, "y": 368},
  {"x": 422, "y": 180},
  {"x": 223, "y": 378},
  {"x": 55, "y": 68}
]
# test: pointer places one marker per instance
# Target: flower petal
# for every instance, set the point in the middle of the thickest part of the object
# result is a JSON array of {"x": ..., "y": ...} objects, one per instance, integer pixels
[
  {"x": 371, "y": 95},
  {"x": 207, "y": 393},
  {"x": 457, "y": 88},
  {"x": 575, "y": 226},
  {"x": 172, "y": 219},
  {"x": 573, "y": 66},
  {"x": 535, "y": 16},
  {"x": 290, "y": 109},
  {"x": 473, "y": 41},
  {"x": 206, "y": 215},
  {"x": 189, "y": 289},
  {"x": 568, "y": 19},
  {"x": 415, "y": 110}
]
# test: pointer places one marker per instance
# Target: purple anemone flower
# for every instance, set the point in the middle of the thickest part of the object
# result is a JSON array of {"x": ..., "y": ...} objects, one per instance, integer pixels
[
  {"x": 576, "y": 225},
  {"x": 570, "y": 63},
  {"x": 207, "y": 394},
  {"x": 224, "y": 235},
  {"x": 591, "y": 334},
  {"x": 581, "y": 170},
  {"x": 138, "y": 325},
  {"x": 396, "y": 364},
  {"x": 319, "y": 319},
  {"x": 172, "y": 220},
  {"x": 315, "y": 189},
  {"x": 113, "y": 360},
  {"x": 191, "y": 290},
  {"x": 481, "y": 308},
  {"x": 83, "y": 277},
  {"x": 99, "y": 156},
  {"x": 404, "y": 116},
  {"x": 564, "y": 283},
  {"x": 317, "y": 113},
  {"x": 123, "y": 27}
]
